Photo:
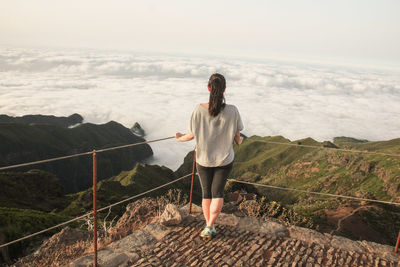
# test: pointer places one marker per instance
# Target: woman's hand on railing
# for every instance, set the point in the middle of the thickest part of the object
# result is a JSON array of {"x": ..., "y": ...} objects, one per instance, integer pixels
[{"x": 183, "y": 137}]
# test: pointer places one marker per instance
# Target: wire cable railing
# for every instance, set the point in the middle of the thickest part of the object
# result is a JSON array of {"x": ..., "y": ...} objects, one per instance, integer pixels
[
  {"x": 316, "y": 193},
  {"x": 330, "y": 148},
  {"x": 328, "y": 194},
  {"x": 94, "y": 155},
  {"x": 89, "y": 213},
  {"x": 81, "y": 154}
]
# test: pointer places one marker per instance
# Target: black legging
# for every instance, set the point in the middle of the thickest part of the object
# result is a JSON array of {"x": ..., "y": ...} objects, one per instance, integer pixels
[{"x": 213, "y": 180}]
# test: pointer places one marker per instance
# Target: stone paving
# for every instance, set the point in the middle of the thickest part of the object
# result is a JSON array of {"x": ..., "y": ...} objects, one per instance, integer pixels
[
  {"x": 233, "y": 247},
  {"x": 239, "y": 242}
]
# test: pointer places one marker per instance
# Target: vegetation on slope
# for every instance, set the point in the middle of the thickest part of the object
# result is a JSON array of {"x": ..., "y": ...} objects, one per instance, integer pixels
[
  {"x": 34, "y": 200},
  {"x": 372, "y": 176},
  {"x": 16, "y": 223},
  {"x": 25, "y": 143},
  {"x": 128, "y": 183},
  {"x": 35, "y": 189}
]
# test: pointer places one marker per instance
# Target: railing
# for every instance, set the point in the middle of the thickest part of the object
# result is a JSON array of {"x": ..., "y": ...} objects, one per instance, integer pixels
[
  {"x": 95, "y": 210},
  {"x": 396, "y": 250}
]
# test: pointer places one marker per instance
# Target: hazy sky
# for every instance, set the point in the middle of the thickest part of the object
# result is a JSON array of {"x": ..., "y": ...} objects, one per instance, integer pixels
[
  {"x": 274, "y": 98},
  {"x": 357, "y": 31}
]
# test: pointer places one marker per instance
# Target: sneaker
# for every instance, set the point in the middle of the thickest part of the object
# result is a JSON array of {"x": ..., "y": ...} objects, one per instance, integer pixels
[
  {"x": 213, "y": 230},
  {"x": 206, "y": 233}
]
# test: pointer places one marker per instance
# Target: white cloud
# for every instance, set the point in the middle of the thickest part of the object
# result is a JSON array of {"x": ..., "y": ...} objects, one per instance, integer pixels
[{"x": 159, "y": 92}]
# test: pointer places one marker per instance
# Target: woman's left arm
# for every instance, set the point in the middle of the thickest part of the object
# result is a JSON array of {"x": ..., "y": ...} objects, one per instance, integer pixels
[
  {"x": 183, "y": 137},
  {"x": 238, "y": 139}
]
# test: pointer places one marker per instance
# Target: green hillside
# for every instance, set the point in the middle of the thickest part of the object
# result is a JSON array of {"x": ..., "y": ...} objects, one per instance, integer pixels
[
  {"x": 34, "y": 200},
  {"x": 35, "y": 189},
  {"x": 128, "y": 183},
  {"x": 24, "y": 143},
  {"x": 16, "y": 223},
  {"x": 372, "y": 176},
  {"x": 364, "y": 175}
]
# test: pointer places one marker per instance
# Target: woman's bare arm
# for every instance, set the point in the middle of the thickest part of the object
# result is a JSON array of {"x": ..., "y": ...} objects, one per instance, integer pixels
[
  {"x": 183, "y": 137},
  {"x": 238, "y": 139}
]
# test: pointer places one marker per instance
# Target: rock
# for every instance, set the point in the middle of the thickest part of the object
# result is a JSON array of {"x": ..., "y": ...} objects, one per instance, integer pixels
[
  {"x": 266, "y": 227},
  {"x": 87, "y": 260},
  {"x": 84, "y": 261},
  {"x": 346, "y": 244},
  {"x": 132, "y": 243},
  {"x": 195, "y": 209},
  {"x": 385, "y": 251},
  {"x": 227, "y": 219},
  {"x": 171, "y": 216},
  {"x": 308, "y": 235},
  {"x": 138, "y": 213},
  {"x": 115, "y": 259},
  {"x": 67, "y": 237},
  {"x": 157, "y": 230},
  {"x": 137, "y": 130}
]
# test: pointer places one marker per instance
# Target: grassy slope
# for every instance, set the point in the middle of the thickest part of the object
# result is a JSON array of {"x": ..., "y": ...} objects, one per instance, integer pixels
[
  {"x": 34, "y": 189},
  {"x": 24, "y": 143},
  {"x": 128, "y": 183},
  {"x": 363, "y": 175},
  {"x": 16, "y": 223},
  {"x": 330, "y": 171}
]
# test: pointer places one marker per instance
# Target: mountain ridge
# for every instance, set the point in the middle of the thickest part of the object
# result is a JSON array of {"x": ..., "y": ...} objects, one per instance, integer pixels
[{"x": 32, "y": 142}]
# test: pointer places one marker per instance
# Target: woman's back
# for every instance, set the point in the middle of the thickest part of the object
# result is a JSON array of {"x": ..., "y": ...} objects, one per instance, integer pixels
[
  {"x": 215, "y": 126},
  {"x": 214, "y": 135}
]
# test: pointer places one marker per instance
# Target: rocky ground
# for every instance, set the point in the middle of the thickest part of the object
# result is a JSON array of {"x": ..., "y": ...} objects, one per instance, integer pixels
[{"x": 241, "y": 241}]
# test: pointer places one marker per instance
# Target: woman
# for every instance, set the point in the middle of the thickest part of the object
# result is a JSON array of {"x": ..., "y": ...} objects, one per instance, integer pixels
[{"x": 215, "y": 126}]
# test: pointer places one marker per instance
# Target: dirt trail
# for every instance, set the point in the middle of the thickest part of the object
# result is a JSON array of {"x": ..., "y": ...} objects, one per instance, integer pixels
[{"x": 339, "y": 223}]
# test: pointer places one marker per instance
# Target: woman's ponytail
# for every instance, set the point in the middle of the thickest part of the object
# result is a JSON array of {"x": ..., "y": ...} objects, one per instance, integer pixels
[{"x": 217, "y": 85}]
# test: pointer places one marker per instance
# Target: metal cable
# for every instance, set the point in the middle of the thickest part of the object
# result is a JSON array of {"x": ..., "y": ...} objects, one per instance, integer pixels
[
  {"x": 329, "y": 148},
  {"x": 161, "y": 139},
  {"x": 89, "y": 213},
  {"x": 316, "y": 193},
  {"x": 44, "y": 161},
  {"x": 81, "y": 154},
  {"x": 141, "y": 194},
  {"x": 135, "y": 144}
]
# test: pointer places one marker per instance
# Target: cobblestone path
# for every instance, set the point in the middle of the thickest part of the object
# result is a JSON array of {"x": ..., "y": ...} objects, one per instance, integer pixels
[{"x": 236, "y": 247}]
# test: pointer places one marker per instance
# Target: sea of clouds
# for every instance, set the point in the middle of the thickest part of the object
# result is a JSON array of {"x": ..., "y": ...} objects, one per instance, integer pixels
[{"x": 292, "y": 99}]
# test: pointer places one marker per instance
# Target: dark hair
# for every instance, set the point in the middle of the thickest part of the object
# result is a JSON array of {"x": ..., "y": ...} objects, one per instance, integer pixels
[{"x": 217, "y": 85}]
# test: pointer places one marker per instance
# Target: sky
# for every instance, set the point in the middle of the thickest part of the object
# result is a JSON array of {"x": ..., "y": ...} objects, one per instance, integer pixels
[
  {"x": 298, "y": 69},
  {"x": 365, "y": 32}
]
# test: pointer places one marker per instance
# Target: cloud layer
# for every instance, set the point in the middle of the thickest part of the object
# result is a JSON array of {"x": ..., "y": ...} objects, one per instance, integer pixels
[{"x": 158, "y": 91}]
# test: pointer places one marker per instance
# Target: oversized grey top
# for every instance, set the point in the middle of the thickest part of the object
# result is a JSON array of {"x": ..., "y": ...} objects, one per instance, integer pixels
[{"x": 214, "y": 135}]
